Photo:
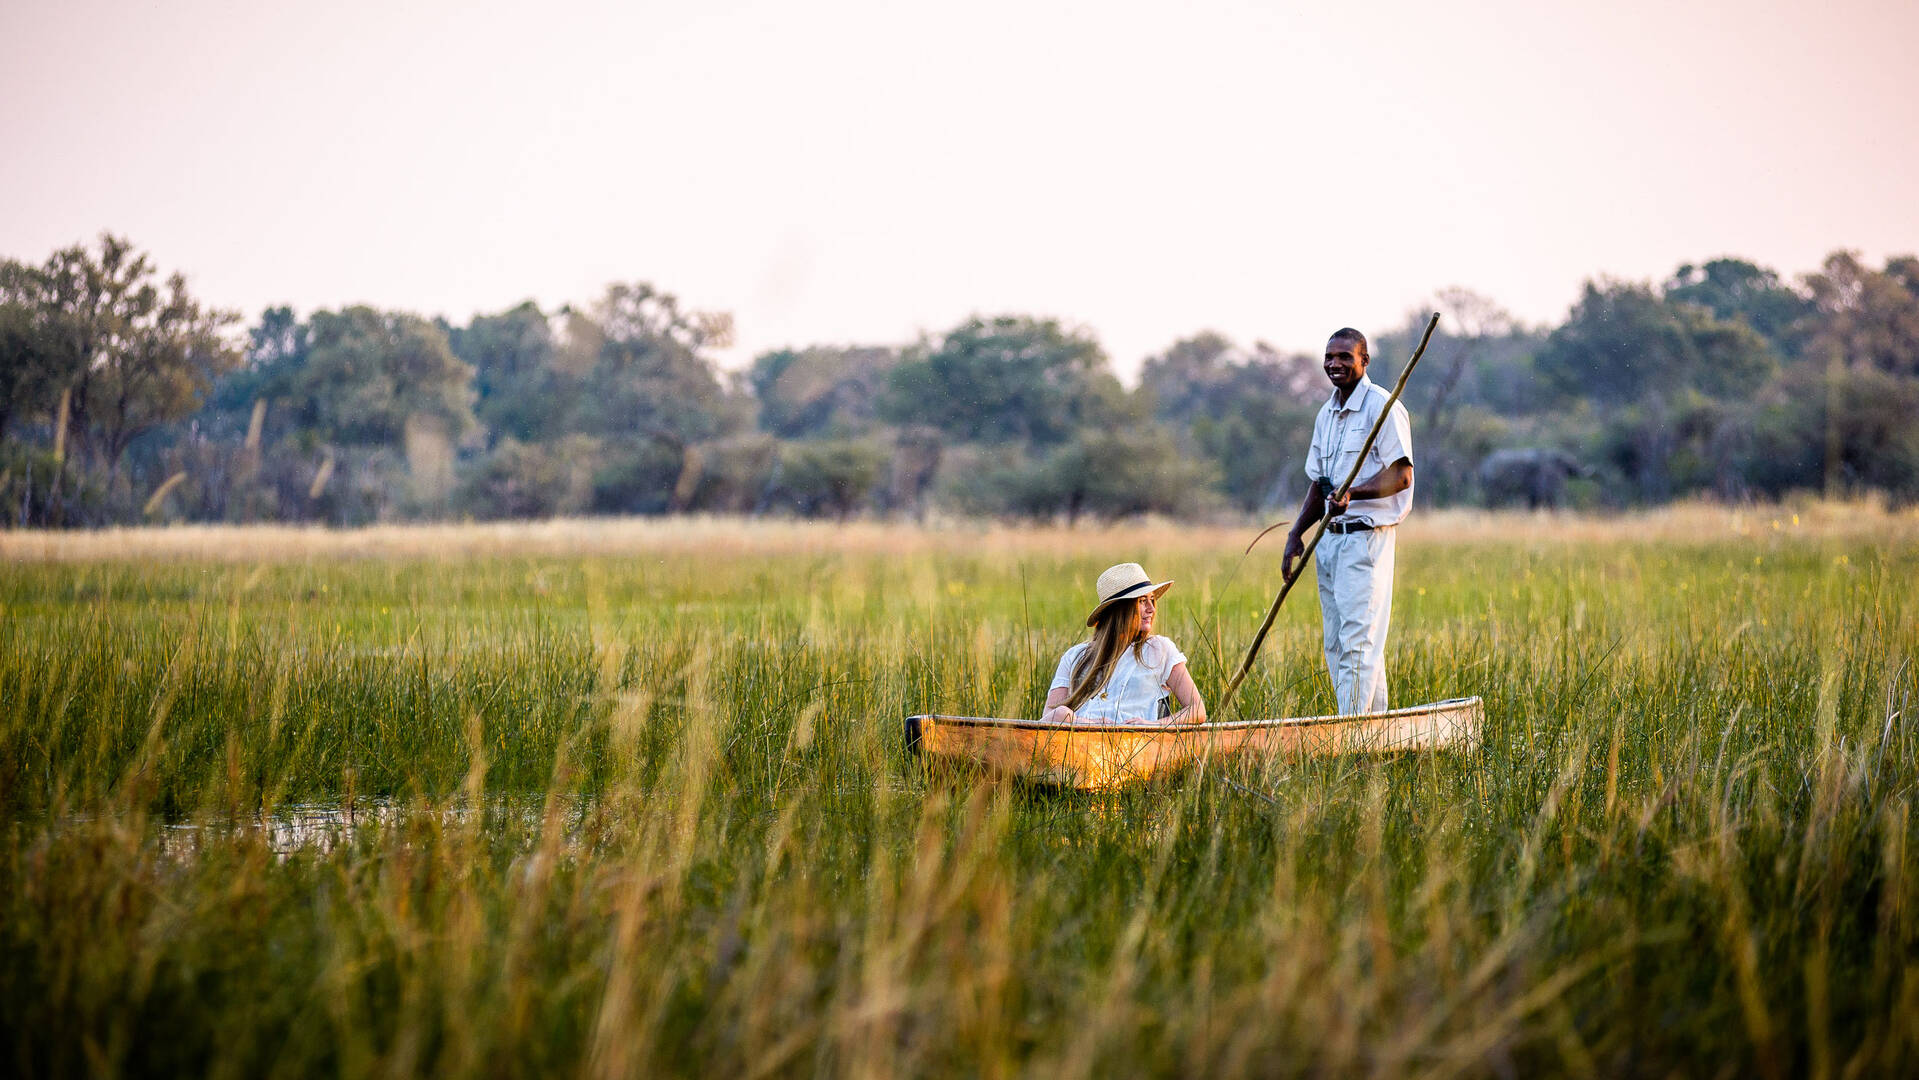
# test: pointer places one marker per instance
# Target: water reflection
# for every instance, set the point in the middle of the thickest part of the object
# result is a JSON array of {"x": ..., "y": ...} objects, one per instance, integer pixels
[{"x": 320, "y": 828}]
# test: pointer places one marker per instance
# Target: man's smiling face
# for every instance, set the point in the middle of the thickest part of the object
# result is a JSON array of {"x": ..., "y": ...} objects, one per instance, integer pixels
[{"x": 1345, "y": 364}]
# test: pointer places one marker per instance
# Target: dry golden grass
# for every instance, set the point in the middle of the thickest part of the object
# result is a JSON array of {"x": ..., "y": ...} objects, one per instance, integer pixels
[{"x": 1843, "y": 521}]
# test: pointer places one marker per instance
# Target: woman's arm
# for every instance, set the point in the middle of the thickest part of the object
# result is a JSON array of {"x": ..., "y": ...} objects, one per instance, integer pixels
[
  {"x": 1056, "y": 704},
  {"x": 1193, "y": 710}
]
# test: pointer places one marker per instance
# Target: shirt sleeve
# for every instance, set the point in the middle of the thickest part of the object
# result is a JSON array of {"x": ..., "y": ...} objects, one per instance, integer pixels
[
  {"x": 1313, "y": 452},
  {"x": 1170, "y": 658},
  {"x": 1063, "y": 678},
  {"x": 1395, "y": 436}
]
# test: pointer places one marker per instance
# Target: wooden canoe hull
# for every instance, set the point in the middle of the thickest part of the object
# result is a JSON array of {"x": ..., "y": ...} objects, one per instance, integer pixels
[{"x": 1099, "y": 756}]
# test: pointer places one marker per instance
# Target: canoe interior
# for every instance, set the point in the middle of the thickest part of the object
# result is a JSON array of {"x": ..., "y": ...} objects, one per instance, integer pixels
[{"x": 1106, "y": 755}]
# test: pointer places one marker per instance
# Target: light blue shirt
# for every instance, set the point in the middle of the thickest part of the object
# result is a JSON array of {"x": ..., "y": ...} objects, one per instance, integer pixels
[{"x": 1338, "y": 433}]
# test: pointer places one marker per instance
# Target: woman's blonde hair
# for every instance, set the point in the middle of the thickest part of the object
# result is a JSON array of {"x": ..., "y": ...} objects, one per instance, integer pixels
[{"x": 1116, "y": 628}]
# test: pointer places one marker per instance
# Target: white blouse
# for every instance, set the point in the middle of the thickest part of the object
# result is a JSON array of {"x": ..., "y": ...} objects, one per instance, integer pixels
[{"x": 1132, "y": 693}]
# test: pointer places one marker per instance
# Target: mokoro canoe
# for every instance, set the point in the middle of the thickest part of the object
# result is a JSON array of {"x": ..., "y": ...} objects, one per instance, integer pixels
[{"x": 1098, "y": 756}]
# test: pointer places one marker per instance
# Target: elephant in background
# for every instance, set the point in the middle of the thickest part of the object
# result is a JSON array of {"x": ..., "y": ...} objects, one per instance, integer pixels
[{"x": 1536, "y": 475}]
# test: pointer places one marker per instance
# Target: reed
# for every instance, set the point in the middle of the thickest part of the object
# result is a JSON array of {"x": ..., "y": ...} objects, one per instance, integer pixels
[{"x": 629, "y": 799}]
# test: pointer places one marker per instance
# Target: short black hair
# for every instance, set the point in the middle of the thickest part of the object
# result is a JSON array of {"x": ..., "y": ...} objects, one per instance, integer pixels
[{"x": 1347, "y": 333}]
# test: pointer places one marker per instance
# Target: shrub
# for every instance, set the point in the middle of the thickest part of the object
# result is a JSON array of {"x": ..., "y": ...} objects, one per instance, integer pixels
[
  {"x": 830, "y": 477},
  {"x": 733, "y": 476},
  {"x": 38, "y": 490},
  {"x": 529, "y": 480},
  {"x": 1107, "y": 474},
  {"x": 637, "y": 478}
]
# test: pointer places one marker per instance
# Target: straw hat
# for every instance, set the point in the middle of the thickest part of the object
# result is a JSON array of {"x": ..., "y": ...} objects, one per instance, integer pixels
[{"x": 1125, "y": 581}]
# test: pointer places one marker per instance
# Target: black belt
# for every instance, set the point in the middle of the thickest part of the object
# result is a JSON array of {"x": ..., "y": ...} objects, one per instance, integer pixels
[{"x": 1345, "y": 527}]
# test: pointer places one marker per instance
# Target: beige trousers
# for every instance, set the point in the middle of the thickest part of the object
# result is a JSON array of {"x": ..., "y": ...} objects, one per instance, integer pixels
[{"x": 1355, "y": 606}]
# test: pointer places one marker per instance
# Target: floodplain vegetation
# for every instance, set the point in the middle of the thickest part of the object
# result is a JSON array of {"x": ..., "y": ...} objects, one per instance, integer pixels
[{"x": 630, "y": 799}]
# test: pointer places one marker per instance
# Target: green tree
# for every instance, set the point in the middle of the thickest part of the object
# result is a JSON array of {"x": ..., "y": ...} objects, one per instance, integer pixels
[
  {"x": 649, "y": 376},
  {"x": 252, "y": 450},
  {"x": 646, "y": 373},
  {"x": 1864, "y": 317},
  {"x": 1006, "y": 379},
  {"x": 269, "y": 370},
  {"x": 1625, "y": 342},
  {"x": 1206, "y": 375},
  {"x": 1476, "y": 385},
  {"x": 1256, "y": 445},
  {"x": 1249, "y": 412},
  {"x": 1849, "y": 428},
  {"x": 520, "y": 395},
  {"x": 821, "y": 391},
  {"x": 1666, "y": 445},
  {"x": 1192, "y": 378},
  {"x": 31, "y": 368},
  {"x": 1738, "y": 290},
  {"x": 376, "y": 411},
  {"x": 138, "y": 353},
  {"x": 367, "y": 373},
  {"x": 648, "y": 392}
]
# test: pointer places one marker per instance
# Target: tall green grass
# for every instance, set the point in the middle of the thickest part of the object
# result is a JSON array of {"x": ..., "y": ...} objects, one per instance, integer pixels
[{"x": 651, "y": 814}]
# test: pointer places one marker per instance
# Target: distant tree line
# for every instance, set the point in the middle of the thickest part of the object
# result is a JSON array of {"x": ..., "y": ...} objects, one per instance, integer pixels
[{"x": 125, "y": 399}]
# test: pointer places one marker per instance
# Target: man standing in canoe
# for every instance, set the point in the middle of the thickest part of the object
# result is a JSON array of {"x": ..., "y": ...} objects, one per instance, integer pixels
[{"x": 1356, "y": 553}]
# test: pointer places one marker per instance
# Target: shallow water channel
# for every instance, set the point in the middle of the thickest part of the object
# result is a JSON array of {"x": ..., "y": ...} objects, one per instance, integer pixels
[{"x": 319, "y": 828}]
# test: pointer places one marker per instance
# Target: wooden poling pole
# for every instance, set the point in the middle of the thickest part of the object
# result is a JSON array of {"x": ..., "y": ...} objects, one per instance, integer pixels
[{"x": 1286, "y": 586}]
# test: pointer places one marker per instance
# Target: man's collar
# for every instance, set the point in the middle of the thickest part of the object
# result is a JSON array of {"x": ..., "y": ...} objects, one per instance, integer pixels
[{"x": 1360, "y": 389}]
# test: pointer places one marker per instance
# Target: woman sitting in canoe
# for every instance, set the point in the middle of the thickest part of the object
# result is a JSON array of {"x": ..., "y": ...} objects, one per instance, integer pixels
[{"x": 1122, "y": 673}]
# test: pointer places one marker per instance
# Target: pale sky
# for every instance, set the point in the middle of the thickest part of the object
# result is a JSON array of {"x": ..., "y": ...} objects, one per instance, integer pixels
[{"x": 855, "y": 172}]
